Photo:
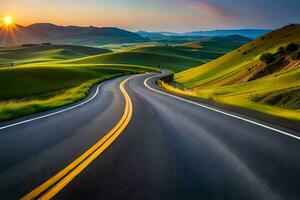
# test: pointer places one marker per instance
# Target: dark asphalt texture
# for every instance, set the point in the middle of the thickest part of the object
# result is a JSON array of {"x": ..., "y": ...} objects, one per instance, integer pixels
[{"x": 170, "y": 150}]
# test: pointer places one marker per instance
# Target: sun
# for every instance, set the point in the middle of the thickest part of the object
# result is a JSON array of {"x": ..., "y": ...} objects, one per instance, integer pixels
[{"x": 8, "y": 20}]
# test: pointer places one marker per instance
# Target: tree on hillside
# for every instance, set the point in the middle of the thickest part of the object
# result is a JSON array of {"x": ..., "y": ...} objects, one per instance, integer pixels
[
  {"x": 292, "y": 47},
  {"x": 267, "y": 58},
  {"x": 281, "y": 50}
]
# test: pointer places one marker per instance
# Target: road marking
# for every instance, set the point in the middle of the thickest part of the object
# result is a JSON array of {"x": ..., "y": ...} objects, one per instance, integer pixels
[
  {"x": 218, "y": 111},
  {"x": 52, "y": 186},
  {"x": 54, "y": 113}
]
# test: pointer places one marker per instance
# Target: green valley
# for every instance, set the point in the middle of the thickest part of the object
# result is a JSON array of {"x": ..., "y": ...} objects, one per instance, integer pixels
[{"x": 36, "y": 77}]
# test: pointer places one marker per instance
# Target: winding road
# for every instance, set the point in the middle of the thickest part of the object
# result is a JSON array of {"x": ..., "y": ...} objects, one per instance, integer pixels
[{"x": 130, "y": 140}]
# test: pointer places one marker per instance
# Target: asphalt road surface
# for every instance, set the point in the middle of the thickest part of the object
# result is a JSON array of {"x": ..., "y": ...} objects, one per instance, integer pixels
[{"x": 129, "y": 140}]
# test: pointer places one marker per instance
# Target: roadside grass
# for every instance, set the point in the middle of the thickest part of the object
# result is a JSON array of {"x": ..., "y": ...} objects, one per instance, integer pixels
[
  {"x": 277, "y": 94},
  {"x": 34, "y": 79},
  {"x": 264, "y": 108},
  {"x": 29, "y": 89},
  {"x": 17, "y": 108},
  {"x": 244, "y": 101}
]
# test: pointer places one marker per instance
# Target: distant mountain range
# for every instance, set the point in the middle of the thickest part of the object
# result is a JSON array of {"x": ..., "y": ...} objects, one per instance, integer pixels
[
  {"x": 231, "y": 39},
  {"x": 50, "y": 33},
  {"x": 45, "y": 32},
  {"x": 250, "y": 33}
]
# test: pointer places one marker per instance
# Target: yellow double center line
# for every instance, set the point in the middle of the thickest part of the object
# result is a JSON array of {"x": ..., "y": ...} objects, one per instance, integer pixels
[{"x": 52, "y": 186}]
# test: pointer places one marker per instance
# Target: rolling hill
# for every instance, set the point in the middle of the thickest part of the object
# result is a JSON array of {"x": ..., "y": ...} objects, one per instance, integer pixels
[
  {"x": 45, "y": 32},
  {"x": 176, "y": 57},
  {"x": 238, "y": 61},
  {"x": 156, "y": 60},
  {"x": 47, "y": 76},
  {"x": 250, "y": 33},
  {"x": 262, "y": 75},
  {"x": 34, "y": 88},
  {"x": 42, "y": 53},
  {"x": 37, "y": 81}
]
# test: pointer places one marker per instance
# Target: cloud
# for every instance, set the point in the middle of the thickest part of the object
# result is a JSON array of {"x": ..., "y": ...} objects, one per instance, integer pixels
[
  {"x": 253, "y": 13},
  {"x": 208, "y": 15}
]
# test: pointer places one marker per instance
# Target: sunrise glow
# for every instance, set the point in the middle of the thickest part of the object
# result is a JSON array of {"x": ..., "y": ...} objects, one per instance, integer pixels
[{"x": 8, "y": 20}]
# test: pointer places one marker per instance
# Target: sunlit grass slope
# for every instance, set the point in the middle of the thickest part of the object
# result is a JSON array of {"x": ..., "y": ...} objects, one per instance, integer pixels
[
  {"x": 42, "y": 53},
  {"x": 34, "y": 86},
  {"x": 33, "y": 79},
  {"x": 242, "y": 78},
  {"x": 183, "y": 51},
  {"x": 176, "y": 57},
  {"x": 47, "y": 76},
  {"x": 235, "y": 64},
  {"x": 173, "y": 63}
]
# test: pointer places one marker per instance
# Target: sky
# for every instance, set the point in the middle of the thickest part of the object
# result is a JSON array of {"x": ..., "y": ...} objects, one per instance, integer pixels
[{"x": 156, "y": 15}]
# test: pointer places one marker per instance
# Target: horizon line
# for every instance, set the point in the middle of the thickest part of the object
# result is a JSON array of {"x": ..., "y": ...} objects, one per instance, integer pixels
[{"x": 153, "y": 31}]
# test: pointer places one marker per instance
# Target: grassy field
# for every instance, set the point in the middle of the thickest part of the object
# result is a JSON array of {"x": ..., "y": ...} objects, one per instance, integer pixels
[
  {"x": 241, "y": 78},
  {"x": 28, "y": 89},
  {"x": 236, "y": 64},
  {"x": 37, "y": 83},
  {"x": 175, "y": 56},
  {"x": 48, "y": 76},
  {"x": 173, "y": 63},
  {"x": 45, "y": 53}
]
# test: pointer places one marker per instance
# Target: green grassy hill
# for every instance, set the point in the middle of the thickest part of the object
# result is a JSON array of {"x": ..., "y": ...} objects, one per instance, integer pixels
[
  {"x": 176, "y": 57},
  {"x": 38, "y": 82},
  {"x": 171, "y": 62},
  {"x": 237, "y": 62},
  {"x": 187, "y": 50},
  {"x": 33, "y": 80},
  {"x": 36, "y": 87},
  {"x": 205, "y": 50},
  {"x": 48, "y": 76},
  {"x": 43, "y": 53},
  {"x": 244, "y": 78}
]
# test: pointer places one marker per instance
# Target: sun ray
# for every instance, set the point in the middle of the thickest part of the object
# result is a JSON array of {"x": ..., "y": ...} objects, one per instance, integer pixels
[
  {"x": 7, "y": 30},
  {"x": 8, "y": 20}
]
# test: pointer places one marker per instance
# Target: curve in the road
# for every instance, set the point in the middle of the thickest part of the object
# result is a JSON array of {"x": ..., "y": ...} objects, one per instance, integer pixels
[
  {"x": 52, "y": 186},
  {"x": 219, "y": 111},
  {"x": 66, "y": 176}
]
